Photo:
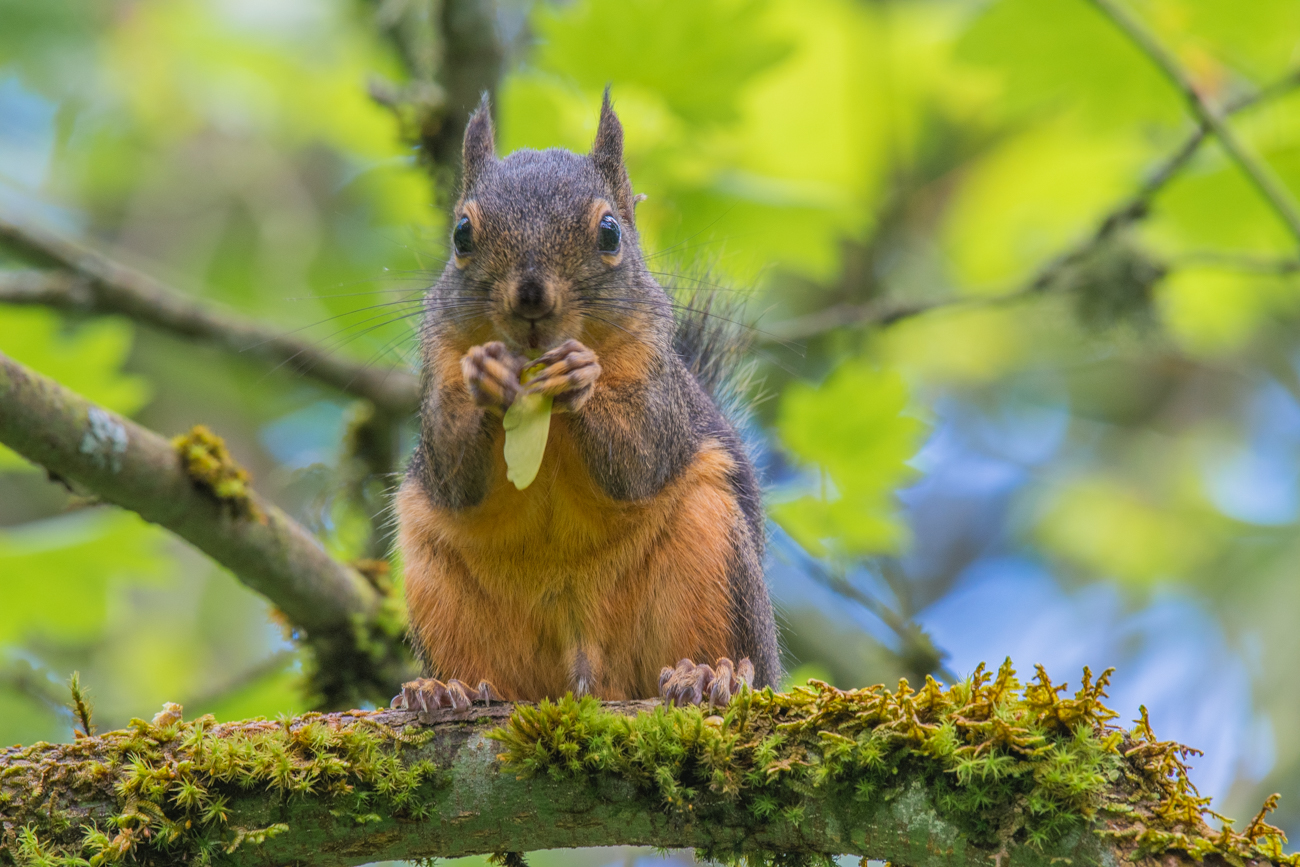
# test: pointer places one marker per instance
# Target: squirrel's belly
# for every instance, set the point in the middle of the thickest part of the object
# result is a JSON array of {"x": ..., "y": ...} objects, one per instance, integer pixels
[
  {"x": 533, "y": 588},
  {"x": 562, "y": 524}
]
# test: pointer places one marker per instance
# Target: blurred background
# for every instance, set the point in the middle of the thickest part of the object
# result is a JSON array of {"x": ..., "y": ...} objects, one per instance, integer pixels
[{"x": 1029, "y": 366}]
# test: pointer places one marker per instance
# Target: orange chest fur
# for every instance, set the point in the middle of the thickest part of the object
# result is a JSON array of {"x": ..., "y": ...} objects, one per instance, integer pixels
[{"x": 560, "y": 535}]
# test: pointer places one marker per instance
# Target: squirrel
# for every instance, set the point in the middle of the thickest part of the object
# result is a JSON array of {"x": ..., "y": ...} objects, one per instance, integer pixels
[{"x": 638, "y": 549}]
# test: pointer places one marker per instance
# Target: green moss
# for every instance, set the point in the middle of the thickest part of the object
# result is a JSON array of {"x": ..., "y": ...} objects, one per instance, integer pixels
[
  {"x": 1001, "y": 762},
  {"x": 209, "y": 463},
  {"x": 174, "y": 781}
]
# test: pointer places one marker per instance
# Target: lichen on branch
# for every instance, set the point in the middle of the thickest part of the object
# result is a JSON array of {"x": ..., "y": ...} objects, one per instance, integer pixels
[{"x": 210, "y": 464}]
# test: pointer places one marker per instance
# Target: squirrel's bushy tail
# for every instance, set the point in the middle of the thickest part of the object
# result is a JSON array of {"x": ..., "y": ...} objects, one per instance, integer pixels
[{"x": 712, "y": 340}]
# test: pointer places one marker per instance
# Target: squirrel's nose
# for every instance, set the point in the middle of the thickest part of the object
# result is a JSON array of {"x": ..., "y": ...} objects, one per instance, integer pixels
[{"x": 532, "y": 301}]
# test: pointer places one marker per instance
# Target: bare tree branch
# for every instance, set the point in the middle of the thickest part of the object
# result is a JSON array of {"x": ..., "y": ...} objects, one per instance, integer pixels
[
  {"x": 95, "y": 283},
  {"x": 127, "y": 465}
]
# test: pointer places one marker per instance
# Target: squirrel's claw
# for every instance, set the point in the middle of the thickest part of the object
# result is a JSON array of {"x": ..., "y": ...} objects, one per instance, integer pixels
[
  {"x": 487, "y": 693},
  {"x": 569, "y": 375},
  {"x": 491, "y": 374},
  {"x": 689, "y": 683},
  {"x": 428, "y": 694}
]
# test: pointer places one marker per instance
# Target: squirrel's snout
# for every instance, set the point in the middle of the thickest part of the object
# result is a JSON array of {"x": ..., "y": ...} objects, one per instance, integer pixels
[{"x": 532, "y": 300}]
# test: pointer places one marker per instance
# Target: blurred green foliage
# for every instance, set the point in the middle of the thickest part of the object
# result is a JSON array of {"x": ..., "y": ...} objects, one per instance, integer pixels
[
  {"x": 849, "y": 156},
  {"x": 852, "y": 429}
]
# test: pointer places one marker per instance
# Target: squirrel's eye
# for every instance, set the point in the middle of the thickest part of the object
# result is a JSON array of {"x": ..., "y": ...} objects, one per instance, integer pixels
[
  {"x": 462, "y": 237},
  {"x": 609, "y": 235}
]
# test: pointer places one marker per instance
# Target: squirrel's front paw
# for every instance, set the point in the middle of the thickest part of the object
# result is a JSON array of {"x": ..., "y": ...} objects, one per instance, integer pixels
[
  {"x": 689, "y": 683},
  {"x": 428, "y": 694},
  {"x": 491, "y": 374},
  {"x": 569, "y": 374}
]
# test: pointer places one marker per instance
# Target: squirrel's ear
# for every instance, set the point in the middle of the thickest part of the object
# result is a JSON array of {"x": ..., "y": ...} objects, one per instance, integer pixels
[
  {"x": 480, "y": 144},
  {"x": 607, "y": 153}
]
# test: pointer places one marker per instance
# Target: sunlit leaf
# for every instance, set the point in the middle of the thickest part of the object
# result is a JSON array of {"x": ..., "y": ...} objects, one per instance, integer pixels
[
  {"x": 852, "y": 429},
  {"x": 1211, "y": 311},
  {"x": 1058, "y": 53}
]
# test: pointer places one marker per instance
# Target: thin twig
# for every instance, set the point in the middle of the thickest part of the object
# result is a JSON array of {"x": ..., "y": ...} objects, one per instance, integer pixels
[
  {"x": 875, "y": 313},
  {"x": 38, "y": 684},
  {"x": 98, "y": 284},
  {"x": 916, "y": 645},
  {"x": 1263, "y": 177}
]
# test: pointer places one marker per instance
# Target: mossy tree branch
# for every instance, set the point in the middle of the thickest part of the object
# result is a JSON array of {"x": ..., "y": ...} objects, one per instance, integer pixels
[
  {"x": 980, "y": 775},
  {"x": 193, "y": 489}
]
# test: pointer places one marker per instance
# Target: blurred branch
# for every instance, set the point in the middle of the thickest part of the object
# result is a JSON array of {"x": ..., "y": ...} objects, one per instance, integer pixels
[
  {"x": 369, "y": 467},
  {"x": 884, "y": 312},
  {"x": 37, "y": 684},
  {"x": 917, "y": 652},
  {"x": 453, "y": 54},
  {"x": 211, "y": 693},
  {"x": 1263, "y": 177},
  {"x": 1138, "y": 205},
  {"x": 90, "y": 282},
  {"x": 342, "y": 614},
  {"x": 1239, "y": 262},
  {"x": 880, "y": 311}
]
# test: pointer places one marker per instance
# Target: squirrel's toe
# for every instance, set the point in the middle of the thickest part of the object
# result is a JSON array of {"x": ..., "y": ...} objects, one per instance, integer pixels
[
  {"x": 428, "y": 694},
  {"x": 689, "y": 683}
]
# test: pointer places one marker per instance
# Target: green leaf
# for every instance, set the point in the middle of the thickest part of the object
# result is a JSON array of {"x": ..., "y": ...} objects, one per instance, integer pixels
[
  {"x": 854, "y": 430},
  {"x": 1114, "y": 530},
  {"x": 527, "y": 424},
  {"x": 1035, "y": 193},
  {"x": 1258, "y": 39},
  {"x": 1211, "y": 311},
  {"x": 698, "y": 56}
]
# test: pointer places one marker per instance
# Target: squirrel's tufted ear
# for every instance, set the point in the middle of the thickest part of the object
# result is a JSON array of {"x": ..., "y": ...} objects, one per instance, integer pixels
[
  {"x": 607, "y": 153},
  {"x": 480, "y": 144}
]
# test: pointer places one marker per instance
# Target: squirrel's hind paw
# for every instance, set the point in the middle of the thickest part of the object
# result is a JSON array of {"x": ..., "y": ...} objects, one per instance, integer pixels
[
  {"x": 428, "y": 694},
  {"x": 689, "y": 683}
]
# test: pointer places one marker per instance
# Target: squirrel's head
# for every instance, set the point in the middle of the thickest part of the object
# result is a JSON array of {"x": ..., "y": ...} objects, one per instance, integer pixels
[{"x": 544, "y": 243}]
